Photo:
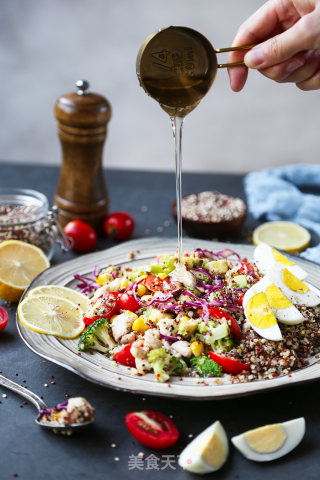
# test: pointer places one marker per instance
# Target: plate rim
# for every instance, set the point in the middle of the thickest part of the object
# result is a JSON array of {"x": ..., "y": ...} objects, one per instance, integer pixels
[{"x": 215, "y": 392}]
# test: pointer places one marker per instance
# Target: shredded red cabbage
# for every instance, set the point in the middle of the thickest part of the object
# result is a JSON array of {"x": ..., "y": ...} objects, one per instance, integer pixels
[
  {"x": 169, "y": 337},
  {"x": 59, "y": 407},
  {"x": 202, "y": 270},
  {"x": 86, "y": 284},
  {"x": 218, "y": 255}
]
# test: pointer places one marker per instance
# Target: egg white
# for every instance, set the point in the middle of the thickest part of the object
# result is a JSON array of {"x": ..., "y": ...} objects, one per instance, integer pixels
[
  {"x": 311, "y": 298},
  {"x": 264, "y": 259},
  {"x": 295, "y": 430},
  {"x": 190, "y": 458}
]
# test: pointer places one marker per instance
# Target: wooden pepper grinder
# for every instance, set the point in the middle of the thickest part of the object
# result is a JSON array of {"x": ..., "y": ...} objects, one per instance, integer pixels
[{"x": 81, "y": 192}]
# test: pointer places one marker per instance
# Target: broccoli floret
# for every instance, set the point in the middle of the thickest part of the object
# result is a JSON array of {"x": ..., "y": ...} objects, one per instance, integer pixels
[
  {"x": 96, "y": 335},
  {"x": 101, "y": 330},
  {"x": 89, "y": 340},
  {"x": 217, "y": 337},
  {"x": 205, "y": 367},
  {"x": 164, "y": 364}
]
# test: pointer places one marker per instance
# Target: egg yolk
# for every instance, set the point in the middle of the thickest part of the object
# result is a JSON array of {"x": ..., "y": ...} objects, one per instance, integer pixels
[
  {"x": 259, "y": 311},
  {"x": 276, "y": 298},
  {"x": 267, "y": 439},
  {"x": 281, "y": 258},
  {"x": 213, "y": 452},
  {"x": 292, "y": 282}
]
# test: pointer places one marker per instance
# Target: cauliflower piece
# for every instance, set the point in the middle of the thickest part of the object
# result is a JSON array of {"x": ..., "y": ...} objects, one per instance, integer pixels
[
  {"x": 128, "y": 338},
  {"x": 137, "y": 350},
  {"x": 122, "y": 325},
  {"x": 182, "y": 275},
  {"x": 181, "y": 349},
  {"x": 168, "y": 326},
  {"x": 152, "y": 339},
  {"x": 143, "y": 365}
]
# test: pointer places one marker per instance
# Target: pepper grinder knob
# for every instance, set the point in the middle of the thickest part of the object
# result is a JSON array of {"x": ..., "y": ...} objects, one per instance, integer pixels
[
  {"x": 81, "y": 192},
  {"x": 82, "y": 86}
]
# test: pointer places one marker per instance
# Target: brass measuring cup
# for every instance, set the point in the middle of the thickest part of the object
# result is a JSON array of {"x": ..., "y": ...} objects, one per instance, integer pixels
[{"x": 177, "y": 66}]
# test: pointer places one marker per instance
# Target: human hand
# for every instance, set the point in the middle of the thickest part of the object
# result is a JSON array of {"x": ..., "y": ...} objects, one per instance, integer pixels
[{"x": 288, "y": 34}]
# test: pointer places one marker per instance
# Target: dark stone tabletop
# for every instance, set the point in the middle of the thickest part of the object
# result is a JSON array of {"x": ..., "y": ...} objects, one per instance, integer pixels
[{"x": 31, "y": 453}]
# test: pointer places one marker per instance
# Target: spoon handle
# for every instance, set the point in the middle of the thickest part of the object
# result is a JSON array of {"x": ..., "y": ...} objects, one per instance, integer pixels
[
  {"x": 232, "y": 49},
  {"x": 15, "y": 387}
]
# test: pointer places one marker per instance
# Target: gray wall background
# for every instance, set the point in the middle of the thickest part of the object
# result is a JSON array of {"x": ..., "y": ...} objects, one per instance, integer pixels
[{"x": 45, "y": 46}]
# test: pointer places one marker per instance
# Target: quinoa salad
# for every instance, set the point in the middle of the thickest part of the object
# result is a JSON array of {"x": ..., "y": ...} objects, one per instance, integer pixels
[{"x": 214, "y": 314}]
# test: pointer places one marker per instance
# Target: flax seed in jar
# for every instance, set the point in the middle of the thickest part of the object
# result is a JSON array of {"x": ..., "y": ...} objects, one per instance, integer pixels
[{"x": 24, "y": 215}]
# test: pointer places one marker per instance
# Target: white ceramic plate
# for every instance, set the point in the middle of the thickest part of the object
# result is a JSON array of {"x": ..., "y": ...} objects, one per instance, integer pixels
[{"x": 103, "y": 371}]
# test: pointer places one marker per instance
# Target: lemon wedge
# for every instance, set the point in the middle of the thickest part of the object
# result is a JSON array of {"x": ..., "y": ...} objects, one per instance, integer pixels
[
  {"x": 287, "y": 236},
  {"x": 20, "y": 263},
  {"x": 62, "y": 292},
  {"x": 51, "y": 315}
]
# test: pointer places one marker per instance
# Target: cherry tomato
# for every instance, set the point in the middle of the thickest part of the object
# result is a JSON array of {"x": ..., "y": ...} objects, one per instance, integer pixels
[
  {"x": 125, "y": 357},
  {"x": 3, "y": 318},
  {"x": 240, "y": 300},
  {"x": 110, "y": 308},
  {"x": 153, "y": 283},
  {"x": 128, "y": 302},
  {"x": 90, "y": 320},
  {"x": 83, "y": 236},
  {"x": 152, "y": 429},
  {"x": 232, "y": 322},
  {"x": 228, "y": 364},
  {"x": 119, "y": 225},
  {"x": 246, "y": 268}
]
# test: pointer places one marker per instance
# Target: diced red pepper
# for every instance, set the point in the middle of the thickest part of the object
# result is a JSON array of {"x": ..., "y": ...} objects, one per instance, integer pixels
[
  {"x": 125, "y": 357},
  {"x": 229, "y": 365}
]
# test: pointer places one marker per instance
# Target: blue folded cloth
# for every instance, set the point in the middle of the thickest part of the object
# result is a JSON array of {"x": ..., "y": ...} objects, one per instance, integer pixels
[{"x": 273, "y": 194}]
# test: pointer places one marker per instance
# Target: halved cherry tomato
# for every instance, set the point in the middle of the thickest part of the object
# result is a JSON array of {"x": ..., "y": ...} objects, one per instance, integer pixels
[
  {"x": 232, "y": 322},
  {"x": 110, "y": 308},
  {"x": 90, "y": 320},
  {"x": 228, "y": 364},
  {"x": 127, "y": 302},
  {"x": 153, "y": 283},
  {"x": 246, "y": 268},
  {"x": 125, "y": 357},
  {"x": 3, "y": 318},
  {"x": 152, "y": 429},
  {"x": 240, "y": 300}
]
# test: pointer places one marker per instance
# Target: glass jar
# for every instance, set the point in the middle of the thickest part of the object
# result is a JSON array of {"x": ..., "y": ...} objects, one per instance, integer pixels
[{"x": 25, "y": 215}]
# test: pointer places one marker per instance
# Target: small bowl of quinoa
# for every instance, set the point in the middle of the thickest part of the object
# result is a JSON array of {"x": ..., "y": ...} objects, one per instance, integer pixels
[{"x": 208, "y": 214}]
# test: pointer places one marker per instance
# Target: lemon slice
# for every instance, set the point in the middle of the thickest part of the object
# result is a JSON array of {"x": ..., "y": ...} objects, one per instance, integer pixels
[
  {"x": 287, "y": 236},
  {"x": 20, "y": 263},
  {"x": 62, "y": 292},
  {"x": 51, "y": 315}
]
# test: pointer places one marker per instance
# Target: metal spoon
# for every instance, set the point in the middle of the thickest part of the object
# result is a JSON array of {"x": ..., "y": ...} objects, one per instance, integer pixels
[
  {"x": 41, "y": 405},
  {"x": 177, "y": 66}
]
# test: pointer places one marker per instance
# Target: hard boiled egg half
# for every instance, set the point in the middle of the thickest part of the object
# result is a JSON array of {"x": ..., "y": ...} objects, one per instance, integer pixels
[
  {"x": 257, "y": 309},
  {"x": 266, "y": 257},
  {"x": 207, "y": 452},
  {"x": 294, "y": 289},
  {"x": 270, "y": 442}
]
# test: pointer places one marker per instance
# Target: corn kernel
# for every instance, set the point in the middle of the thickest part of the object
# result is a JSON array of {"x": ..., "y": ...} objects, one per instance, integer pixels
[
  {"x": 124, "y": 283},
  {"x": 103, "y": 278},
  {"x": 139, "y": 325},
  {"x": 141, "y": 290},
  {"x": 162, "y": 275},
  {"x": 197, "y": 348},
  {"x": 184, "y": 318}
]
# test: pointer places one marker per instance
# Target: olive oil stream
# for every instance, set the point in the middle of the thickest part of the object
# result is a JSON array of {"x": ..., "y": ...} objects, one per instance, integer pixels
[{"x": 177, "y": 124}]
